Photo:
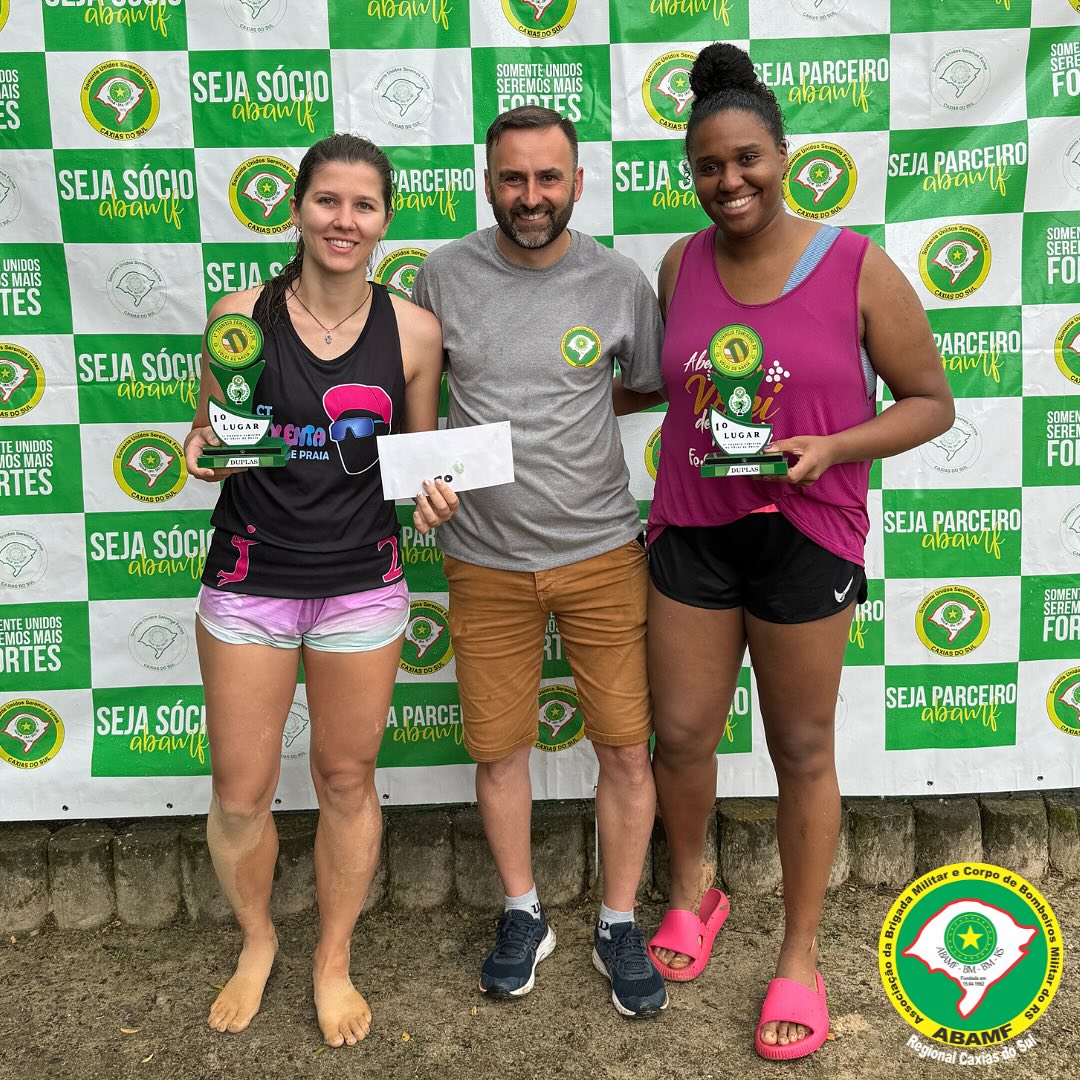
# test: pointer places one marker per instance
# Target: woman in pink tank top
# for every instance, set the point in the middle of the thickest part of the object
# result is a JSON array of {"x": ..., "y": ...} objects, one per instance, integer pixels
[{"x": 775, "y": 565}]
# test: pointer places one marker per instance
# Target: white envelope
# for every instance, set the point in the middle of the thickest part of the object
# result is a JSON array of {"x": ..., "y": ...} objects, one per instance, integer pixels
[{"x": 466, "y": 458}]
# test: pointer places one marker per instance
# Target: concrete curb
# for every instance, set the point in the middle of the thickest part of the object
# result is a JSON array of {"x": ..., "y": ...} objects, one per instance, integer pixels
[{"x": 152, "y": 872}]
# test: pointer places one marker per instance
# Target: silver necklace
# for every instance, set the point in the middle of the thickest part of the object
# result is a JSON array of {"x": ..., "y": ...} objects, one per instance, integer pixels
[{"x": 328, "y": 330}]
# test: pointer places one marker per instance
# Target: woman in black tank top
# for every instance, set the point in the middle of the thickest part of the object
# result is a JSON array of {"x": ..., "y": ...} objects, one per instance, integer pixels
[{"x": 344, "y": 363}]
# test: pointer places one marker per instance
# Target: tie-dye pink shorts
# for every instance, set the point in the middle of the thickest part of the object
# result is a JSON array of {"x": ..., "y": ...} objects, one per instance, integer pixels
[{"x": 356, "y": 622}]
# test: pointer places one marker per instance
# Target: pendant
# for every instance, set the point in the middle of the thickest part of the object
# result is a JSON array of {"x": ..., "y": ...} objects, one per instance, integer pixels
[{"x": 327, "y": 339}]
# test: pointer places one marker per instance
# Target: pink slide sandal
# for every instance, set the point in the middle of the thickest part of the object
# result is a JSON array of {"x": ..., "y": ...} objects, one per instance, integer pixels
[
  {"x": 788, "y": 1000},
  {"x": 690, "y": 934}
]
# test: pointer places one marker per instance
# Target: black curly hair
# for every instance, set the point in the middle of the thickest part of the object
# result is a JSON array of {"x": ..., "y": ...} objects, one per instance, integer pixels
[{"x": 723, "y": 78}]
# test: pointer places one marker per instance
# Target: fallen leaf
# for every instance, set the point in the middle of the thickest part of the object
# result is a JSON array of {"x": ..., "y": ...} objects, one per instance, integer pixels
[
  {"x": 149, "y": 1057},
  {"x": 321, "y": 1050},
  {"x": 405, "y": 1036},
  {"x": 217, "y": 986},
  {"x": 130, "y": 1030},
  {"x": 12, "y": 939},
  {"x": 472, "y": 1011},
  {"x": 830, "y": 1037}
]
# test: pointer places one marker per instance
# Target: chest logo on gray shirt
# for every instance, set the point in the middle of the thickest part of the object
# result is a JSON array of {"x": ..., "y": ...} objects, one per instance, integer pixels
[{"x": 580, "y": 346}]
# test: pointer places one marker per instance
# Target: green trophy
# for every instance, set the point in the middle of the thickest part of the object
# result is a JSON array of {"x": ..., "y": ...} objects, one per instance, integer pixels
[
  {"x": 234, "y": 343},
  {"x": 735, "y": 353}
]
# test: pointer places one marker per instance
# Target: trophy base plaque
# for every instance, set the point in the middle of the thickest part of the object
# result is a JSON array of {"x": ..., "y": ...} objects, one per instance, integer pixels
[
  {"x": 266, "y": 454},
  {"x": 721, "y": 464}
]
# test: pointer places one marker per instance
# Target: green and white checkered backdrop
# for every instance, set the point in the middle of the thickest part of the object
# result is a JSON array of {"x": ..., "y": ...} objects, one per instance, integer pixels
[{"x": 147, "y": 149}]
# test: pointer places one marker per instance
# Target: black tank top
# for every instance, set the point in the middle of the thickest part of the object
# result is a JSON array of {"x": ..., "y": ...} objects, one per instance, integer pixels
[{"x": 318, "y": 526}]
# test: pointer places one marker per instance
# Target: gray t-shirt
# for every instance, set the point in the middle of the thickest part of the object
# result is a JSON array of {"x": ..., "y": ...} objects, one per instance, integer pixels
[{"x": 536, "y": 347}]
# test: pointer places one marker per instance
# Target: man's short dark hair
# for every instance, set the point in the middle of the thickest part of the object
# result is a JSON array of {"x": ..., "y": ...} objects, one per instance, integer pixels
[{"x": 531, "y": 118}]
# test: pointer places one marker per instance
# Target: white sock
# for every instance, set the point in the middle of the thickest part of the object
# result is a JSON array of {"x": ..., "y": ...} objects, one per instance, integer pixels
[
  {"x": 608, "y": 916},
  {"x": 529, "y": 902}
]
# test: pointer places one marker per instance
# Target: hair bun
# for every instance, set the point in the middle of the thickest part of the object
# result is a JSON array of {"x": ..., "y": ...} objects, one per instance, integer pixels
[{"x": 721, "y": 66}]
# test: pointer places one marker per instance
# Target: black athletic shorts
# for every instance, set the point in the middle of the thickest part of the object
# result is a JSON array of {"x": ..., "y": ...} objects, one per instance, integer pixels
[{"x": 760, "y": 562}]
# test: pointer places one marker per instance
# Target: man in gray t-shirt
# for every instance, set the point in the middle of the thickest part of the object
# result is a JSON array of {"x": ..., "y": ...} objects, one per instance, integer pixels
[{"x": 534, "y": 316}]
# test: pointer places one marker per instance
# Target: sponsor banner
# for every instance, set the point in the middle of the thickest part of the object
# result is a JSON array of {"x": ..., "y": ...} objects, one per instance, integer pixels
[
  {"x": 232, "y": 267},
  {"x": 981, "y": 350},
  {"x": 676, "y": 20},
  {"x": 907, "y": 19},
  {"x": 251, "y": 99},
  {"x": 142, "y": 556},
  {"x": 556, "y": 664},
  {"x": 957, "y": 171},
  {"x": 420, "y": 555},
  {"x": 738, "y": 737},
  {"x": 434, "y": 192},
  {"x": 34, "y": 296},
  {"x": 1053, "y": 71},
  {"x": 931, "y": 534},
  {"x": 653, "y": 191},
  {"x": 1063, "y": 702},
  {"x": 950, "y": 708},
  {"x": 828, "y": 84},
  {"x": 150, "y": 731},
  {"x": 41, "y": 470},
  {"x": 42, "y": 559},
  {"x": 866, "y": 635},
  {"x": 131, "y": 25},
  {"x": 24, "y": 117},
  {"x": 427, "y": 654},
  {"x": 423, "y": 727},
  {"x": 572, "y": 81},
  {"x": 1052, "y": 440},
  {"x": 44, "y": 646},
  {"x": 31, "y": 733},
  {"x": 135, "y": 642},
  {"x": 1050, "y": 618},
  {"x": 415, "y": 24},
  {"x": 28, "y": 206},
  {"x": 137, "y": 377},
  {"x": 1052, "y": 335},
  {"x": 1051, "y": 269},
  {"x": 127, "y": 195},
  {"x": 1052, "y": 542}
]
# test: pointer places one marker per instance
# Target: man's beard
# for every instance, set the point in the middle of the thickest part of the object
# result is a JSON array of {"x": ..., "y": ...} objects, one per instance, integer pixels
[{"x": 534, "y": 237}]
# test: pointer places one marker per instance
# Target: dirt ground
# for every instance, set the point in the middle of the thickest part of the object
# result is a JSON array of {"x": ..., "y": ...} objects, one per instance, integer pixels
[{"x": 124, "y": 1003}]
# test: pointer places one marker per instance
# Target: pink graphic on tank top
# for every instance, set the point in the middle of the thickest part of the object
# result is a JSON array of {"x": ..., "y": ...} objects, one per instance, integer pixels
[
  {"x": 240, "y": 571},
  {"x": 357, "y": 414}
]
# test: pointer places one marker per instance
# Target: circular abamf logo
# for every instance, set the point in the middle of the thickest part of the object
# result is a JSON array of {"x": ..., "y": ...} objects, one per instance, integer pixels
[
  {"x": 560, "y": 722},
  {"x": 256, "y": 16},
  {"x": 970, "y": 956},
  {"x": 259, "y": 191},
  {"x": 10, "y": 199},
  {"x": 1070, "y": 164},
  {"x": 31, "y": 733},
  {"x": 293, "y": 745},
  {"x": 1069, "y": 531},
  {"x": 149, "y": 466},
  {"x": 1063, "y": 701},
  {"x": 666, "y": 91},
  {"x": 956, "y": 450},
  {"x": 818, "y": 10},
  {"x": 820, "y": 180},
  {"x": 427, "y": 647},
  {"x": 157, "y": 643},
  {"x": 22, "y": 381},
  {"x": 1067, "y": 349},
  {"x": 539, "y": 18},
  {"x": 954, "y": 261},
  {"x": 399, "y": 269},
  {"x": 959, "y": 78},
  {"x": 953, "y": 620},
  {"x": 23, "y": 559},
  {"x": 120, "y": 100},
  {"x": 136, "y": 289},
  {"x": 403, "y": 98},
  {"x": 652, "y": 453},
  {"x": 580, "y": 346}
]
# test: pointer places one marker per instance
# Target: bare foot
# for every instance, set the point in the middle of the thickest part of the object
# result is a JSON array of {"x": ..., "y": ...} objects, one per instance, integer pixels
[
  {"x": 344, "y": 1015},
  {"x": 239, "y": 1001},
  {"x": 800, "y": 965},
  {"x": 681, "y": 902}
]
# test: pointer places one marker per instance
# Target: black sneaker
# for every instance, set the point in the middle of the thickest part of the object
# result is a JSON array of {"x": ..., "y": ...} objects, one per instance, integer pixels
[
  {"x": 521, "y": 942},
  {"x": 637, "y": 988}
]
